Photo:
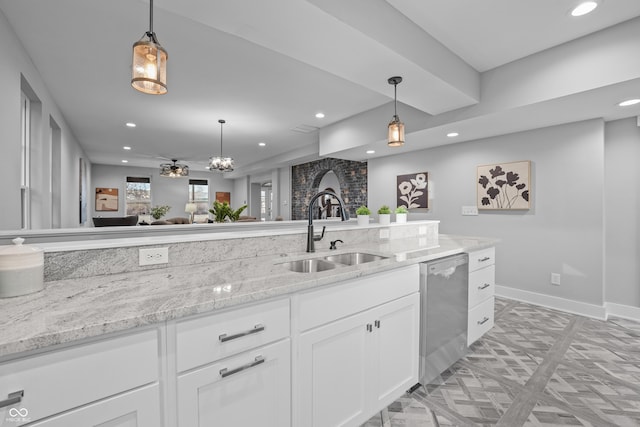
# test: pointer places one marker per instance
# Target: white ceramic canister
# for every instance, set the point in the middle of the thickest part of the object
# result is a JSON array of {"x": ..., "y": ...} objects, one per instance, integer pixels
[{"x": 21, "y": 269}]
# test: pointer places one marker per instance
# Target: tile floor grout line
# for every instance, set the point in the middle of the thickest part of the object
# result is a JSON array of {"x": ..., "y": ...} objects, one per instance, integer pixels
[
  {"x": 521, "y": 407},
  {"x": 443, "y": 410}
]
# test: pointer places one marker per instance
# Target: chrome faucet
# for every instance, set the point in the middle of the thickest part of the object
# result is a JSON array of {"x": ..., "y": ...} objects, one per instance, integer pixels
[{"x": 311, "y": 237}]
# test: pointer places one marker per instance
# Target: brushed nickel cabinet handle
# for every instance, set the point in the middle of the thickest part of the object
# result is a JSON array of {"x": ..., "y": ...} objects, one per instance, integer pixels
[
  {"x": 485, "y": 286},
  {"x": 12, "y": 398},
  {"x": 483, "y": 321},
  {"x": 377, "y": 323},
  {"x": 226, "y": 372},
  {"x": 484, "y": 259},
  {"x": 258, "y": 328}
]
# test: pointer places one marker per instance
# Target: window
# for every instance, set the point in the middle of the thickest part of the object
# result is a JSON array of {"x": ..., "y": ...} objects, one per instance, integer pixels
[
  {"x": 138, "y": 196},
  {"x": 25, "y": 161},
  {"x": 199, "y": 194}
]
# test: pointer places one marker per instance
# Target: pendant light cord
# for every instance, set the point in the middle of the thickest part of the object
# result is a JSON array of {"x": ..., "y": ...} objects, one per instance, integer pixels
[
  {"x": 151, "y": 17},
  {"x": 395, "y": 99}
]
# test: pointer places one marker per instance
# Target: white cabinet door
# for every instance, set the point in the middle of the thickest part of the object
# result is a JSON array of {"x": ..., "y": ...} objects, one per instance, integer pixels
[
  {"x": 351, "y": 368},
  {"x": 138, "y": 408},
  {"x": 397, "y": 332},
  {"x": 250, "y": 389},
  {"x": 333, "y": 372}
]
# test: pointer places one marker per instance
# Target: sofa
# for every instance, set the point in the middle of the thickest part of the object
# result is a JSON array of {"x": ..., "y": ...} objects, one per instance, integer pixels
[{"x": 114, "y": 221}]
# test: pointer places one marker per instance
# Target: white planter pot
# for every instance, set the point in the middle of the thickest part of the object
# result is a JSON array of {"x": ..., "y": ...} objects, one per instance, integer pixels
[
  {"x": 401, "y": 218},
  {"x": 363, "y": 219},
  {"x": 384, "y": 219}
]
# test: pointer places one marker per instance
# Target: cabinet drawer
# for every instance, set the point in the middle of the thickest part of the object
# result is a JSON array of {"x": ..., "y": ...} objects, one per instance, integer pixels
[
  {"x": 482, "y": 258},
  {"x": 61, "y": 380},
  {"x": 480, "y": 320},
  {"x": 206, "y": 339},
  {"x": 249, "y": 389},
  {"x": 352, "y": 296},
  {"x": 482, "y": 284}
]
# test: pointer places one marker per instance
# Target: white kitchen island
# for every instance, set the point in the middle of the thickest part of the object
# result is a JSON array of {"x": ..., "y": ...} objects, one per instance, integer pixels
[{"x": 236, "y": 341}]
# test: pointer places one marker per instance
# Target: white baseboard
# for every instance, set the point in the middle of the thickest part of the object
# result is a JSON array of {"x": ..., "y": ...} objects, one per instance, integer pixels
[
  {"x": 557, "y": 303},
  {"x": 624, "y": 311}
]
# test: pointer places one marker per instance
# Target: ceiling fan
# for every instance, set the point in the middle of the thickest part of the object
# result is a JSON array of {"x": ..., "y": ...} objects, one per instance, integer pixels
[{"x": 174, "y": 170}]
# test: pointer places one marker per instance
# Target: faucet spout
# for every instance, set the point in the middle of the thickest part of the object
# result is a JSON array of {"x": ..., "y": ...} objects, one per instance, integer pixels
[{"x": 344, "y": 214}]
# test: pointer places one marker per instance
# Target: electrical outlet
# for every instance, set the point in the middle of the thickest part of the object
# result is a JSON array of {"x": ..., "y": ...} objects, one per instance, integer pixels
[
  {"x": 469, "y": 210},
  {"x": 555, "y": 279},
  {"x": 152, "y": 256},
  {"x": 384, "y": 233},
  {"x": 422, "y": 230}
]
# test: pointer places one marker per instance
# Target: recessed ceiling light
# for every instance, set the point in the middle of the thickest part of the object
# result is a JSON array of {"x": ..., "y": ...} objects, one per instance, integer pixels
[
  {"x": 126, "y": 148},
  {"x": 125, "y": 161},
  {"x": 262, "y": 144},
  {"x": 453, "y": 134},
  {"x": 131, "y": 125},
  {"x": 629, "y": 102},
  {"x": 584, "y": 8},
  {"x": 319, "y": 115},
  {"x": 371, "y": 151}
]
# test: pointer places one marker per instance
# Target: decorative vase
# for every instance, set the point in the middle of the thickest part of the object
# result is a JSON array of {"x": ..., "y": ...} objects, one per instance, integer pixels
[
  {"x": 401, "y": 218},
  {"x": 384, "y": 219},
  {"x": 363, "y": 219}
]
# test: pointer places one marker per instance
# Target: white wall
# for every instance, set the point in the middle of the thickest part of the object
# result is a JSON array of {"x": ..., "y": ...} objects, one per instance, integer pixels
[
  {"x": 15, "y": 62},
  {"x": 173, "y": 192},
  {"x": 563, "y": 232},
  {"x": 622, "y": 212}
]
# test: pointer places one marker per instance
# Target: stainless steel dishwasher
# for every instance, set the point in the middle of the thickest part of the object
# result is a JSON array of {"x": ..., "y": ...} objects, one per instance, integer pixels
[{"x": 443, "y": 314}]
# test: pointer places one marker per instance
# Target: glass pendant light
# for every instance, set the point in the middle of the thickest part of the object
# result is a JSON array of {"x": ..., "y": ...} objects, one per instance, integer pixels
[
  {"x": 396, "y": 127},
  {"x": 221, "y": 163},
  {"x": 149, "y": 69}
]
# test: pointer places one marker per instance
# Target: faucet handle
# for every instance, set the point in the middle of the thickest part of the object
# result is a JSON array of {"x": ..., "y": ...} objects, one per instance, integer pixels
[
  {"x": 318, "y": 238},
  {"x": 332, "y": 245}
]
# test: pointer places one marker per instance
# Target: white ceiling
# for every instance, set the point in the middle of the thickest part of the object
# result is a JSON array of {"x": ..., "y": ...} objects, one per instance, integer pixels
[{"x": 267, "y": 67}]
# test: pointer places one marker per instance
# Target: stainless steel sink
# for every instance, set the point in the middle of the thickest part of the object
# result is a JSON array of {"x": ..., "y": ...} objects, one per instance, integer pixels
[
  {"x": 354, "y": 258},
  {"x": 312, "y": 265}
]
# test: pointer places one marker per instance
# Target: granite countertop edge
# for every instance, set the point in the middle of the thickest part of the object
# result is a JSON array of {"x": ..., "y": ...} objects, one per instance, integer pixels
[{"x": 75, "y": 309}]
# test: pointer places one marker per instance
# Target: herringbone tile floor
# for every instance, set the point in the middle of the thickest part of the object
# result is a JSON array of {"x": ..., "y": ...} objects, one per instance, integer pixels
[{"x": 536, "y": 367}]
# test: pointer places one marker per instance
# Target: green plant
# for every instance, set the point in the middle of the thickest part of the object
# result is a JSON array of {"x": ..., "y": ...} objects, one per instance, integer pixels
[
  {"x": 235, "y": 215},
  {"x": 363, "y": 210},
  {"x": 384, "y": 209},
  {"x": 401, "y": 210},
  {"x": 222, "y": 211},
  {"x": 158, "y": 212}
]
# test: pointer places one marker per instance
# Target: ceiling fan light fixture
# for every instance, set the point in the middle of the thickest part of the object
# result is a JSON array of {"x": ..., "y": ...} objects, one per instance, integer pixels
[
  {"x": 396, "y": 127},
  {"x": 174, "y": 170},
  {"x": 221, "y": 163},
  {"x": 149, "y": 67}
]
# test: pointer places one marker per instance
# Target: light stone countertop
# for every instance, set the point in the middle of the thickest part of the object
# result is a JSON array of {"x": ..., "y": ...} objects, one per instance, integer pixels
[{"x": 74, "y": 309}]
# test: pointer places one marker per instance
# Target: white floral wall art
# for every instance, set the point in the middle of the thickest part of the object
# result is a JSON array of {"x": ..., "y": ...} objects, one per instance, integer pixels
[
  {"x": 504, "y": 185},
  {"x": 413, "y": 190}
]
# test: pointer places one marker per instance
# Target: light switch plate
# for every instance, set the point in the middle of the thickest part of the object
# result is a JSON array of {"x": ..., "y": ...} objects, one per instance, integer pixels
[{"x": 469, "y": 210}]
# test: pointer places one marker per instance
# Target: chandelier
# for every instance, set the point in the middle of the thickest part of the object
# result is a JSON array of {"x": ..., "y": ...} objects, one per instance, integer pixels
[
  {"x": 396, "y": 127},
  {"x": 174, "y": 170},
  {"x": 221, "y": 163},
  {"x": 149, "y": 69}
]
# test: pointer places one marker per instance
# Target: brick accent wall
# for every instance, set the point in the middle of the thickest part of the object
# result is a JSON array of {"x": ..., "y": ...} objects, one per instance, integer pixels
[{"x": 305, "y": 179}]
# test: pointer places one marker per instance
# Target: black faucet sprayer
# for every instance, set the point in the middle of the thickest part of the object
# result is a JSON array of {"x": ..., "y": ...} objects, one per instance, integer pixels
[{"x": 311, "y": 237}]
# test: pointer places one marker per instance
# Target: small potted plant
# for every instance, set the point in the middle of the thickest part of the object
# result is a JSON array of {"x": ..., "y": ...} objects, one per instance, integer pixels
[
  {"x": 384, "y": 215},
  {"x": 158, "y": 212},
  {"x": 363, "y": 213},
  {"x": 401, "y": 214}
]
